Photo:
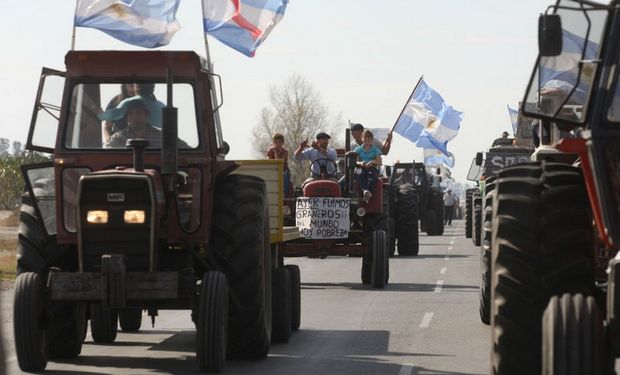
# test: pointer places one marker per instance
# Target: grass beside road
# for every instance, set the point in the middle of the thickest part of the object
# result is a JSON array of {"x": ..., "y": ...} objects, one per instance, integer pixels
[{"x": 7, "y": 258}]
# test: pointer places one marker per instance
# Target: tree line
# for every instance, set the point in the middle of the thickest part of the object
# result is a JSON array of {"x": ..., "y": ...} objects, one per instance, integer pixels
[{"x": 12, "y": 156}]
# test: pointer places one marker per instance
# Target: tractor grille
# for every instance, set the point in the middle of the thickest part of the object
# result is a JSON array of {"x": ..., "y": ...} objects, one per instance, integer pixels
[{"x": 111, "y": 222}]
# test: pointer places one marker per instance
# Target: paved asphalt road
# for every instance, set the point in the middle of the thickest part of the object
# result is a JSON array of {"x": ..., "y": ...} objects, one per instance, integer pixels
[{"x": 425, "y": 322}]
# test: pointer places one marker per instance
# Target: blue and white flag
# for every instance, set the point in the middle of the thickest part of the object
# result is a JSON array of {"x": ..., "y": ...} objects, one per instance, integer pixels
[
  {"x": 433, "y": 157},
  {"x": 514, "y": 119},
  {"x": 144, "y": 23},
  {"x": 559, "y": 73},
  {"x": 242, "y": 24},
  {"x": 427, "y": 120}
]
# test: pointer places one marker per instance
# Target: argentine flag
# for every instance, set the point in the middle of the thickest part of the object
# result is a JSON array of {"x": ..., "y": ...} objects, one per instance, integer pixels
[
  {"x": 427, "y": 120},
  {"x": 433, "y": 157},
  {"x": 559, "y": 73},
  {"x": 514, "y": 119},
  {"x": 144, "y": 23},
  {"x": 242, "y": 24}
]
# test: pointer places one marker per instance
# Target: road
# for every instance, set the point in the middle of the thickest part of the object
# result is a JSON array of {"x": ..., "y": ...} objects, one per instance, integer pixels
[{"x": 425, "y": 322}]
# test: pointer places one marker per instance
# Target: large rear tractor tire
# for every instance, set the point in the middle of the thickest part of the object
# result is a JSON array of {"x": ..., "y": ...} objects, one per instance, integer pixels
[
  {"x": 212, "y": 327},
  {"x": 573, "y": 337},
  {"x": 29, "y": 323},
  {"x": 542, "y": 246},
  {"x": 240, "y": 240},
  {"x": 295, "y": 274},
  {"x": 281, "y": 326},
  {"x": 477, "y": 218},
  {"x": 406, "y": 217},
  {"x": 468, "y": 210},
  {"x": 485, "y": 253},
  {"x": 38, "y": 252}
]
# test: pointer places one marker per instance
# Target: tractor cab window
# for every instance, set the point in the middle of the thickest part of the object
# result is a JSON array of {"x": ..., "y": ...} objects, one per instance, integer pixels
[
  {"x": 106, "y": 115},
  {"x": 561, "y": 85}
]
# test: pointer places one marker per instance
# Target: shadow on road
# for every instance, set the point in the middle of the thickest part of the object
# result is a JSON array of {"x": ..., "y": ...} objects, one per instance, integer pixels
[
  {"x": 392, "y": 287},
  {"x": 308, "y": 352}
]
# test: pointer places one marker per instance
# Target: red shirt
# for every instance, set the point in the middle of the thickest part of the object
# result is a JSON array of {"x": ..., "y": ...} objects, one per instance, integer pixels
[{"x": 274, "y": 153}]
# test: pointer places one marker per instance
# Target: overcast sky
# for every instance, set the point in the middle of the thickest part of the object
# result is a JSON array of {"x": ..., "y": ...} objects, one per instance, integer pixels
[{"x": 363, "y": 57}]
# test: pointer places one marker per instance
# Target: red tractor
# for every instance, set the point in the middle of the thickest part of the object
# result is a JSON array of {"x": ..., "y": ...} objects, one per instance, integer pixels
[
  {"x": 150, "y": 218},
  {"x": 337, "y": 222},
  {"x": 556, "y": 221}
]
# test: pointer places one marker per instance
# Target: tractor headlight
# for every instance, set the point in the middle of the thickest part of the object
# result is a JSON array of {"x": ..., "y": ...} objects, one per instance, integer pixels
[
  {"x": 361, "y": 211},
  {"x": 134, "y": 217},
  {"x": 286, "y": 210},
  {"x": 97, "y": 217}
]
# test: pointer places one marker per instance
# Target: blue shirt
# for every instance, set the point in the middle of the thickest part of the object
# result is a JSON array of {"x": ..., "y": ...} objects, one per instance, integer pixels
[
  {"x": 313, "y": 154},
  {"x": 367, "y": 156}
]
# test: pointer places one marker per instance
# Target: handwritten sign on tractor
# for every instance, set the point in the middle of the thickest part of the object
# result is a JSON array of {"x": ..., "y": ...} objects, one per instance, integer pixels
[{"x": 323, "y": 217}]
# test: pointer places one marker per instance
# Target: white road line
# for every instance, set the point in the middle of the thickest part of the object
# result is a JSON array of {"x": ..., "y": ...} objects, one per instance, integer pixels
[
  {"x": 449, "y": 248},
  {"x": 443, "y": 270},
  {"x": 447, "y": 257},
  {"x": 426, "y": 320},
  {"x": 11, "y": 359},
  {"x": 452, "y": 242},
  {"x": 438, "y": 286}
]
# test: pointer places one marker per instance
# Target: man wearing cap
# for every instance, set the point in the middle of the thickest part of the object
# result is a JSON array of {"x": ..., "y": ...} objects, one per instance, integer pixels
[
  {"x": 136, "y": 113},
  {"x": 356, "y": 133},
  {"x": 303, "y": 152}
]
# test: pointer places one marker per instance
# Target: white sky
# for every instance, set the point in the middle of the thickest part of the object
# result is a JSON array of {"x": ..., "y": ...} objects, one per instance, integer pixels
[{"x": 363, "y": 56}]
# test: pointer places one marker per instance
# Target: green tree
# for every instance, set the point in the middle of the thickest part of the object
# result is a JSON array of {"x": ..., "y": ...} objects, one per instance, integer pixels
[{"x": 11, "y": 179}]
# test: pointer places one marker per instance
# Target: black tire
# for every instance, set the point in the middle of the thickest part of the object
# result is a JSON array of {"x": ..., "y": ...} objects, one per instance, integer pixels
[
  {"x": 38, "y": 252},
  {"x": 380, "y": 259},
  {"x": 406, "y": 217},
  {"x": 389, "y": 199},
  {"x": 103, "y": 324},
  {"x": 485, "y": 254},
  {"x": 295, "y": 274},
  {"x": 212, "y": 327},
  {"x": 431, "y": 222},
  {"x": 240, "y": 239},
  {"x": 130, "y": 320},
  {"x": 477, "y": 219},
  {"x": 573, "y": 337},
  {"x": 281, "y": 322},
  {"x": 468, "y": 210},
  {"x": 29, "y": 325},
  {"x": 542, "y": 246},
  {"x": 366, "y": 269}
]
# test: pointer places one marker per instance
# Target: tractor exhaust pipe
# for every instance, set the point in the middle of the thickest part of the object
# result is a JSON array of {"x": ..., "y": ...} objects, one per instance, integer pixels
[{"x": 169, "y": 137}]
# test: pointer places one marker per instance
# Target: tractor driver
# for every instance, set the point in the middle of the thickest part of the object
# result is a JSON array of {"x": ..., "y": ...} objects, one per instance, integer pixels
[
  {"x": 136, "y": 115},
  {"x": 303, "y": 152}
]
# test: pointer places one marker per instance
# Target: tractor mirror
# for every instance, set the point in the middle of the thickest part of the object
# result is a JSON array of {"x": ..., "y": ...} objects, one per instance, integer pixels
[
  {"x": 438, "y": 171},
  {"x": 388, "y": 170},
  {"x": 549, "y": 35},
  {"x": 225, "y": 149},
  {"x": 479, "y": 158}
]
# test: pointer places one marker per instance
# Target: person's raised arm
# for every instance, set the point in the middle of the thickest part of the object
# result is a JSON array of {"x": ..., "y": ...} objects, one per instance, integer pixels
[
  {"x": 387, "y": 144},
  {"x": 300, "y": 148}
]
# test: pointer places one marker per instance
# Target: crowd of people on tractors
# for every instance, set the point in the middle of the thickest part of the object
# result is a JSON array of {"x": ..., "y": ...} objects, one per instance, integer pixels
[{"x": 364, "y": 144}]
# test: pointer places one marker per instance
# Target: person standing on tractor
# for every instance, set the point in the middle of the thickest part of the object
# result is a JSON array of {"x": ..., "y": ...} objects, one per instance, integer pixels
[
  {"x": 304, "y": 152},
  {"x": 356, "y": 133},
  {"x": 277, "y": 151},
  {"x": 370, "y": 158},
  {"x": 449, "y": 202}
]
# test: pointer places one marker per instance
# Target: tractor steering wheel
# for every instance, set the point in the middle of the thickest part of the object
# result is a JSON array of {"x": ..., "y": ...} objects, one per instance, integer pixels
[{"x": 326, "y": 168}]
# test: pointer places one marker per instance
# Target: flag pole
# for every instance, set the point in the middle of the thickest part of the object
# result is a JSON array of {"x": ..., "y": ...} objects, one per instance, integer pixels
[
  {"x": 73, "y": 31},
  {"x": 407, "y": 102}
]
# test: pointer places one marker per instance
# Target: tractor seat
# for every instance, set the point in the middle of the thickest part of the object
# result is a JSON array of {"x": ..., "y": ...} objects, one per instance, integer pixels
[{"x": 321, "y": 188}]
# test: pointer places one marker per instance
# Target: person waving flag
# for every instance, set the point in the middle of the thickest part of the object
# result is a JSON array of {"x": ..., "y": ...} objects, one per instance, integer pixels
[{"x": 242, "y": 24}]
